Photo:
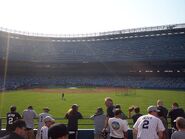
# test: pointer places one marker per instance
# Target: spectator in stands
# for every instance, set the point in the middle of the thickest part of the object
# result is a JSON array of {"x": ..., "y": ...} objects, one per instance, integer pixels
[
  {"x": 99, "y": 120},
  {"x": 180, "y": 124},
  {"x": 149, "y": 126},
  {"x": 48, "y": 122},
  {"x": 123, "y": 116},
  {"x": 163, "y": 110},
  {"x": 41, "y": 118},
  {"x": 73, "y": 115},
  {"x": 118, "y": 127},
  {"x": 58, "y": 131},
  {"x": 137, "y": 114},
  {"x": 28, "y": 115},
  {"x": 19, "y": 127},
  {"x": 174, "y": 113},
  {"x": 11, "y": 117}
]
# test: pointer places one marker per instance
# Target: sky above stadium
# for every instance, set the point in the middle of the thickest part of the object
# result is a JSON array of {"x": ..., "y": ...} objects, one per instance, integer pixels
[{"x": 88, "y": 16}]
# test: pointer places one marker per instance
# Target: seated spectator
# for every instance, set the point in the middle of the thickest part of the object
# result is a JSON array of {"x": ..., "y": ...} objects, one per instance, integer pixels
[
  {"x": 174, "y": 113},
  {"x": 58, "y": 131},
  {"x": 180, "y": 133},
  {"x": 136, "y": 115},
  {"x": 19, "y": 130},
  {"x": 99, "y": 120}
]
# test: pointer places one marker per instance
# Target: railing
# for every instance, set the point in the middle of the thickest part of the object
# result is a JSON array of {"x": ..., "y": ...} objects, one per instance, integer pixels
[
  {"x": 124, "y": 31},
  {"x": 87, "y": 133},
  {"x": 86, "y": 122}
]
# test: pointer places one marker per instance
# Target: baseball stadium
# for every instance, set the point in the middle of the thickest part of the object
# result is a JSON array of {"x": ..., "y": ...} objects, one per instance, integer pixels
[{"x": 134, "y": 66}]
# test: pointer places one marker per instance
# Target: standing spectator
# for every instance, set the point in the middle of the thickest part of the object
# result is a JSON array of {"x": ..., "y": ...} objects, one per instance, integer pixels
[
  {"x": 99, "y": 120},
  {"x": 118, "y": 127},
  {"x": 48, "y": 121},
  {"x": 19, "y": 127},
  {"x": 73, "y": 116},
  {"x": 174, "y": 113},
  {"x": 58, "y": 131},
  {"x": 137, "y": 114},
  {"x": 163, "y": 110},
  {"x": 149, "y": 126},
  {"x": 28, "y": 115},
  {"x": 41, "y": 118},
  {"x": 110, "y": 110},
  {"x": 180, "y": 124},
  {"x": 165, "y": 123},
  {"x": 123, "y": 116},
  {"x": 11, "y": 117}
]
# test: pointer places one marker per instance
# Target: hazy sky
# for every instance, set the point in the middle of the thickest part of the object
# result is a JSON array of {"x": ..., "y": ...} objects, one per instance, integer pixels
[{"x": 88, "y": 16}]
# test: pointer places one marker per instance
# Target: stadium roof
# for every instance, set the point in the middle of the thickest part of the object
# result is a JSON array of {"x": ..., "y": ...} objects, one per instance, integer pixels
[{"x": 124, "y": 31}]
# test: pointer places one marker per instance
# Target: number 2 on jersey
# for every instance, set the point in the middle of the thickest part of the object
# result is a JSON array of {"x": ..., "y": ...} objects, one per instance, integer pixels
[{"x": 145, "y": 124}]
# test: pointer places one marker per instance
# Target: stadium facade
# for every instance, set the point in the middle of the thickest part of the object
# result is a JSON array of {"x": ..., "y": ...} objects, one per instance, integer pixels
[{"x": 152, "y": 57}]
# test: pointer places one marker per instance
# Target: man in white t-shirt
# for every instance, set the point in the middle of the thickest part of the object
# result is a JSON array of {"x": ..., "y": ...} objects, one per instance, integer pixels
[
  {"x": 44, "y": 130},
  {"x": 149, "y": 126},
  {"x": 118, "y": 127}
]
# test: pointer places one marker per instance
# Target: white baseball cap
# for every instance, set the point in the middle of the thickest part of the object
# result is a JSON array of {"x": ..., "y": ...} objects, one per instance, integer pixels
[
  {"x": 152, "y": 109},
  {"x": 48, "y": 119}
]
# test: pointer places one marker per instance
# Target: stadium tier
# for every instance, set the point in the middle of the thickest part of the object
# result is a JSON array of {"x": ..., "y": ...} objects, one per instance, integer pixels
[{"x": 128, "y": 58}]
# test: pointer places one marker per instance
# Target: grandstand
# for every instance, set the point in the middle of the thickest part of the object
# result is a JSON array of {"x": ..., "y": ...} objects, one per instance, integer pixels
[{"x": 151, "y": 57}]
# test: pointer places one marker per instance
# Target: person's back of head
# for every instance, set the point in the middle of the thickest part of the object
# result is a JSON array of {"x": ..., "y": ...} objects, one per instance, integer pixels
[
  {"x": 19, "y": 124},
  {"x": 46, "y": 109},
  {"x": 74, "y": 108},
  {"x": 153, "y": 110},
  {"x": 180, "y": 123},
  {"x": 13, "y": 108},
  {"x": 58, "y": 131},
  {"x": 175, "y": 105},
  {"x": 136, "y": 109},
  {"x": 159, "y": 102},
  {"x": 19, "y": 128},
  {"x": 117, "y": 112},
  {"x": 30, "y": 107}
]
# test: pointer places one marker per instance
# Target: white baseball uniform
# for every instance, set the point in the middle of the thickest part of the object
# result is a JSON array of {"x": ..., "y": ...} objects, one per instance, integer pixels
[
  {"x": 41, "y": 119},
  {"x": 43, "y": 133},
  {"x": 148, "y": 126}
]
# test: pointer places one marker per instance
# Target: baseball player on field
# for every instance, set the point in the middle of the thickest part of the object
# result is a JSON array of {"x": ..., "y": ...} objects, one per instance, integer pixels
[{"x": 149, "y": 126}]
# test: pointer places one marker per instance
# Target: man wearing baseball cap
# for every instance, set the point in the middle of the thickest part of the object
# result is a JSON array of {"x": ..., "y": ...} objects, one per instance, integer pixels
[
  {"x": 48, "y": 122},
  {"x": 149, "y": 126},
  {"x": 41, "y": 119}
]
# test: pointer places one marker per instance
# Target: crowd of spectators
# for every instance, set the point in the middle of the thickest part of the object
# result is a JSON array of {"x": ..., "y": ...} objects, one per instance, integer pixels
[{"x": 112, "y": 124}]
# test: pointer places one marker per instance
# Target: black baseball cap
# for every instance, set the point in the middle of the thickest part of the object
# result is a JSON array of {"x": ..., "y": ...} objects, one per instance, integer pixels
[{"x": 57, "y": 130}]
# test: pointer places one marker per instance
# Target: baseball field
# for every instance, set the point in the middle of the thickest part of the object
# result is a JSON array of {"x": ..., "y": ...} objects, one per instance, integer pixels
[{"x": 88, "y": 99}]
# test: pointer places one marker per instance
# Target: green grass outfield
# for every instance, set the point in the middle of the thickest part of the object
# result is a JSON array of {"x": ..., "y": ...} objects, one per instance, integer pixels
[{"x": 88, "y": 102}]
